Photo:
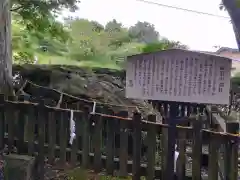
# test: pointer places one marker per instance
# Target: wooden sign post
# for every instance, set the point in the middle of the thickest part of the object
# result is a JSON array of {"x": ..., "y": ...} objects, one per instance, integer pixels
[{"x": 178, "y": 76}]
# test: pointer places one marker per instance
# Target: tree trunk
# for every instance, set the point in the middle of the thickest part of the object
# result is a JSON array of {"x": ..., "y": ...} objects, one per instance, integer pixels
[
  {"x": 234, "y": 12},
  {"x": 6, "y": 84}
]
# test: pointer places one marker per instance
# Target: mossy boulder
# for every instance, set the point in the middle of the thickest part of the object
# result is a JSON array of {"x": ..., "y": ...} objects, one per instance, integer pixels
[{"x": 99, "y": 84}]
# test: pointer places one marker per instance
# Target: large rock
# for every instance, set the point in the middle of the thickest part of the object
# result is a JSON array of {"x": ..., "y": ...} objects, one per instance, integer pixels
[
  {"x": 99, "y": 84},
  {"x": 19, "y": 167}
]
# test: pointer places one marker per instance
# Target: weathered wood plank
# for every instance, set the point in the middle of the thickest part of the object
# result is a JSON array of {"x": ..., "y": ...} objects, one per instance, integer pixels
[
  {"x": 151, "y": 149},
  {"x": 51, "y": 136},
  {"x": 136, "y": 146},
  {"x": 123, "y": 144},
  {"x": 97, "y": 139}
]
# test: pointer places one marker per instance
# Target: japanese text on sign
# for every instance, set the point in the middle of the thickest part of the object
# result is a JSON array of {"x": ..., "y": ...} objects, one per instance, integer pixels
[{"x": 179, "y": 75}]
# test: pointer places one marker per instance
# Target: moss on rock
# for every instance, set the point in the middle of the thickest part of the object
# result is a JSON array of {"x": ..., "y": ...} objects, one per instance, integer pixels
[{"x": 99, "y": 84}]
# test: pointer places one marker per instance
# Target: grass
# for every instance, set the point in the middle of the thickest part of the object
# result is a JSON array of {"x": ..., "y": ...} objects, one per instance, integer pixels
[
  {"x": 98, "y": 62},
  {"x": 80, "y": 174}
]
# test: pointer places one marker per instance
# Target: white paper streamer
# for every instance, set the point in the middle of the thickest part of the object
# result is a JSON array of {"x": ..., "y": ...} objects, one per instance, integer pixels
[
  {"x": 72, "y": 129},
  {"x": 94, "y": 108},
  {"x": 176, "y": 154}
]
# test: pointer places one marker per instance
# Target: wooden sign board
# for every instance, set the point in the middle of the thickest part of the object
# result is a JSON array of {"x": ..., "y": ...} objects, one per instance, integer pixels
[{"x": 179, "y": 75}]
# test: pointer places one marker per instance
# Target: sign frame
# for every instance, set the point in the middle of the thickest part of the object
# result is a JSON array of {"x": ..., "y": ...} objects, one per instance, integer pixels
[{"x": 205, "y": 65}]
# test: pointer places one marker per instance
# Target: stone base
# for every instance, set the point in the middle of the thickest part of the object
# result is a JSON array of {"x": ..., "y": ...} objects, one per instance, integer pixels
[{"x": 19, "y": 167}]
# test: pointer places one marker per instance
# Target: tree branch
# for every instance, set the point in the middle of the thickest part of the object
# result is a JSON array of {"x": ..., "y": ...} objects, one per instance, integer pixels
[{"x": 17, "y": 8}]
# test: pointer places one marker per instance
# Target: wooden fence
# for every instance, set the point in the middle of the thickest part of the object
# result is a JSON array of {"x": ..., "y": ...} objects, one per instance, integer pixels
[{"x": 43, "y": 131}]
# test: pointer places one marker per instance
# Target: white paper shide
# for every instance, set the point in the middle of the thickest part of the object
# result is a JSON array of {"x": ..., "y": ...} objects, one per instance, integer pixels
[{"x": 179, "y": 75}]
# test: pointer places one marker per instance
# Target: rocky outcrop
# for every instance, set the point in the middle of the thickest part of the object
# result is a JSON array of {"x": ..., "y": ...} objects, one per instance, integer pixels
[{"x": 101, "y": 85}]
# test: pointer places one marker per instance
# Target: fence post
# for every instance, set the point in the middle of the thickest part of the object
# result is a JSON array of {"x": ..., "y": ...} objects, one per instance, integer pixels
[
  {"x": 123, "y": 156},
  {"x": 151, "y": 149},
  {"x": 21, "y": 126},
  {"x": 85, "y": 140},
  {"x": 136, "y": 146},
  {"x": 170, "y": 152},
  {"x": 63, "y": 134},
  {"x": 213, "y": 156},
  {"x": 31, "y": 128},
  {"x": 75, "y": 145},
  {"x": 163, "y": 139},
  {"x": 181, "y": 161},
  {"x": 41, "y": 137},
  {"x": 2, "y": 132},
  {"x": 197, "y": 148},
  {"x": 25, "y": 98},
  {"x": 110, "y": 122},
  {"x": 97, "y": 142},
  {"x": 51, "y": 135},
  {"x": 10, "y": 120},
  {"x": 232, "y": 150},
  {"x": 2, "y": 123}
]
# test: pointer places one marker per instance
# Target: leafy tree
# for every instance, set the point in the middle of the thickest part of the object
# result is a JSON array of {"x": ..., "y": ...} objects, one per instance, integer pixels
[
  {"x": 36, "y": 16},
  {"x": 39, "y": 16},
  {"x": 26, "y": 45},
  {"x": 116, "y": 34},
  {"x": 97, "y": 27},
  {"x": 90, "y": 40},
  {"x": 84, "y": 42},
  {"x": 162, "y": 45},
  {"x": 113, "y": 26},
  {"x": 23, "y": 44},
  {"x": 144, "y": 32},
  {"x": 116, "y": 39},
  {"x": 119, "y": 55},
  {"x": 233, "y": 8}
]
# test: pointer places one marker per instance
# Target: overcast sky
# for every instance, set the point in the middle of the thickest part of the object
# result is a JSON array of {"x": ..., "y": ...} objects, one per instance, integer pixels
[{"x": 199, "y": 32}]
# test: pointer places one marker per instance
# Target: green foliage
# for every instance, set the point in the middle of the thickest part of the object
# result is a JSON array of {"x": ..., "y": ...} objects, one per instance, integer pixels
[
  {"x": 97, "y": 27},
  {"x": 113, "y": 26},
  {"x": 162, "y": 45},
  {"x": 93, "y": 40},
  {"x": 34, "y": 26},
  {"x": 23, "y": 44},
  {"x": 26, "y": 44},
  {"x": 233, "y": 9},
  {"x": 144, "y": 32},
  {"x": 84, "y": 41},
  {"x": 39, "y": 16},
  {"x": 80, "y": 174},
  {"x": 237, "y": 75},
  {"x": 88, "y": 42}
]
